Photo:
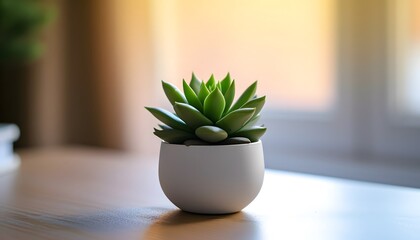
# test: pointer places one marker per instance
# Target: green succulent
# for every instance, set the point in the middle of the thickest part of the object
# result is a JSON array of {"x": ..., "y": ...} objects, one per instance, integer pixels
[{"x": 205, "y": 113}]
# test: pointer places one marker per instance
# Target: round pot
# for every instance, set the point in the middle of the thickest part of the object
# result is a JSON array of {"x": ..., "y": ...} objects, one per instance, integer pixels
[{"x": 211, "y": 179}]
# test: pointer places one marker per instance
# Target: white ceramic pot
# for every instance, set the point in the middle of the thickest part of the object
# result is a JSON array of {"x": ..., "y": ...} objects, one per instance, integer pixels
[{"x": 215, "y": 179}]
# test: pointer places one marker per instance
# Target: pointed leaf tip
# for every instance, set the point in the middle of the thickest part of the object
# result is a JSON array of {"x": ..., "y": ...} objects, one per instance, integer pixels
[
  {"x": 214, "y": 105},
  {"x": 229, "y": 96},
  {"x": 245, "y": 96},
  {"x": 191, "y": 96},
  {"x": 195, "y": 83},
  {"x": 174, "y": 136},
  {"x": 204, "y": 92},
  {"x": 168, "y": 118},
  {"x": 253, "y": 134},
  {"x": 211, "y": 83},
  {"x": 173, "y": 93},
  {"x": 225, "y": 83}
]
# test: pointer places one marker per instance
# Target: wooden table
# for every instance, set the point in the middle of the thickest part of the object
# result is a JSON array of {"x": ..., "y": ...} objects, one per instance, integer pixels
[{"x": 79, "y": 193}]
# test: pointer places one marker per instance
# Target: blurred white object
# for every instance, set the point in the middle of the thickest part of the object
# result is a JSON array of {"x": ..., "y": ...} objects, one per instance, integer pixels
[{"x": 8, "y": 160}]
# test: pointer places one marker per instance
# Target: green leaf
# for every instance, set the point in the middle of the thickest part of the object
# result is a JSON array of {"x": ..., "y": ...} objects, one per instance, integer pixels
[
  {"x": 251, "y": 122},
  {"x": 204, "y": 92},
  {"x": 174, "y": 135},
  {"x": 214, "y": 105},
  {"x": 168, "y": 118},
  {"x": 163, "y": 126},
  {"x": 211, "y": 134},
  {"x": 190, "y": 142},
  {"x": 257, "y": 103},
  {"x": 195, "y": 83},
  {"x": 229, "y": 96},
  {"x": 219, "y": 86},
  {"x": 253, "y": 134},
  {"x": 235, "y": 120},
  {"x": 211, "y": 83},
  {"x": 191, "y": 96},
  {"x": 191, "y": 116},
  {"x": 225, "y": 83},
  {"x": 173, "y": 93},
  {"x": 245, "y": 97},
  {"x": 235, "y": 140}
]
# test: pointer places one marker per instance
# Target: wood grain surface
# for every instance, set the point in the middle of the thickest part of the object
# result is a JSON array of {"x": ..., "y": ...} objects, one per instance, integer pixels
[{"x": 82, "y": 193}]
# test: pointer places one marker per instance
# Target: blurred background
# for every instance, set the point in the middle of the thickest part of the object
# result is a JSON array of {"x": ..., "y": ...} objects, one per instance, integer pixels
[{"x": 342, "y": 78}]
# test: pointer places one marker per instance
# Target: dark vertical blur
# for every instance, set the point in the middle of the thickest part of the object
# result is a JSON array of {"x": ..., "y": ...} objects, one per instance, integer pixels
[
  {"x": 80, "y": 100},
  {"x": 21, "y": 24}
]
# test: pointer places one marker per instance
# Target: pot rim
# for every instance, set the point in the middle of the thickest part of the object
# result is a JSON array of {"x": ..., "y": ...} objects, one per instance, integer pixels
[{"x": 213, "y": 146}]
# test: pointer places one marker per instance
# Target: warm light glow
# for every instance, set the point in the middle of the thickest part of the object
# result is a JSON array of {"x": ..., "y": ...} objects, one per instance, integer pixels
[
  {"x": 408, "y": 52},
  {"x": 287, "y": 45}
]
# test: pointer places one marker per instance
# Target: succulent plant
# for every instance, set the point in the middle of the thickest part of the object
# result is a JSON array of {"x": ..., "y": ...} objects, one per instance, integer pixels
[{"x": 205, "y": 113}]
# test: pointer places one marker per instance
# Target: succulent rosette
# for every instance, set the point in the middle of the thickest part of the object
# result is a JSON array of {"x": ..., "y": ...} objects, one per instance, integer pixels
[{"x": 206, "y": 113}]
